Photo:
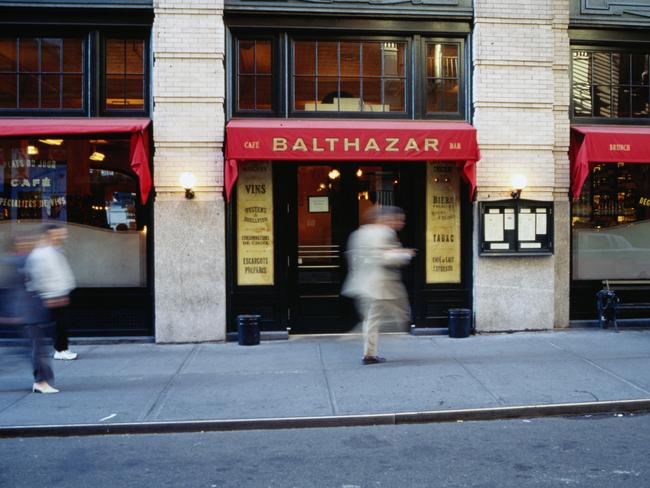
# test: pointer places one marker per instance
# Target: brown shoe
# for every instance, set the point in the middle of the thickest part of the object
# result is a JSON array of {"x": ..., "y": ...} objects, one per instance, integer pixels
[{"x": 373, "y": 360}]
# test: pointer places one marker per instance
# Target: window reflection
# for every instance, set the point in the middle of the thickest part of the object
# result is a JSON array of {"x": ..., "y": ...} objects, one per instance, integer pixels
[
  {"x": 442, "y": 77},
  {"x": 346, "y": 76},
  {"x": 611, "y": 224},
  {"x": 254, "y": 75},
  {"x": 610, "y": 84},
  {"x": 88, "y": 182},
  {"x": 41, "y": 73},
  {"x": 124, "y": 74},
  {"x": 88, "y": 186}
]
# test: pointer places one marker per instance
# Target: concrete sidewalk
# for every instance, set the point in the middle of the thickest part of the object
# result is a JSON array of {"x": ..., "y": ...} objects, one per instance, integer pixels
[{"x": 323, "y": 376}]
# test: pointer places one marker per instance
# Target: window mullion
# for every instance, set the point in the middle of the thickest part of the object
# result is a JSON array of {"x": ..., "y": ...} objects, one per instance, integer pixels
[
  {"x": 381, "y": 76},
  {"x": 61, "y": 74},
  {"x": 18, "y": 73},
  {"x": 338, "y": 68},
  {"x": 124, "y": 90},
  {"x": 39, "y": 72},
  {"x": 361, "y": 102},
  {"x": 255, "y": 75},
  {"x": 316, "y": 79}
]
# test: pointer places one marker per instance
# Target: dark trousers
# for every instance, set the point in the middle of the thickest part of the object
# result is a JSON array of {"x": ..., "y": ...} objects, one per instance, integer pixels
[
  {"x": 40, "y": 357},
  {"x": 60, "y": 329}
]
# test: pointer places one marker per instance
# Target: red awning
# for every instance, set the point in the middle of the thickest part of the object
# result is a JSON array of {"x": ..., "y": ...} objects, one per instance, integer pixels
[
  {"x": 605, "y": 144},
  {"x": 350, "y": 140},
  {"x": 136, "y": 128}
]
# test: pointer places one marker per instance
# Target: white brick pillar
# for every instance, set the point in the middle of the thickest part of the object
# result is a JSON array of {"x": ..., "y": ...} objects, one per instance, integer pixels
[
  {"x": 189, "y": 243},
  {"x": 520, "y": 99}
]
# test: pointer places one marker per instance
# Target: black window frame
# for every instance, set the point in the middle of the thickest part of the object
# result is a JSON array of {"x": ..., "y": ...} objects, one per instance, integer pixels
[
  {"x": 408, "y": 78},
  {"x": 93, "y": 79},
  {"x": 282, "y": 52},
  {"x": 276, "y": 75},
  {"x": 463, "y": 80},
  {"x": 610, "y": 49},
  {"x": 85, "y": 78},
  {"x": 129, "y": 34}
]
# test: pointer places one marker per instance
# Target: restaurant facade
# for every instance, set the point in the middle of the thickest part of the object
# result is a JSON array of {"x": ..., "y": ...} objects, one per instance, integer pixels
[
  {"x": 293, "y": 118},
  {"x": 610, "y": 158},
  {"x": 389, "y": 105},
  {"x": 75, "y": 144}
]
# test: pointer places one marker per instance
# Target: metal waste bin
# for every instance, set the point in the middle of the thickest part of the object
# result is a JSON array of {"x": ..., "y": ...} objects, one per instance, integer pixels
[
  {"x": 248, "y": 328},
  {"x": 460, "y": 322}
]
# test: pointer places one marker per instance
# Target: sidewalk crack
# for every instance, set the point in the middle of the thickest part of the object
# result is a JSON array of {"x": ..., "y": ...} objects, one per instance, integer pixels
[
  {"x": 602, "y": 368},
  {"x": 496, "y": 398},
  {"x": 159, "y": 401},
  {"x": 330, "y": 394}
]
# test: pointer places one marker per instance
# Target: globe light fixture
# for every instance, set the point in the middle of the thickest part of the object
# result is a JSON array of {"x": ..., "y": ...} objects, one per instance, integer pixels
[{"x": 188, "y": 180}]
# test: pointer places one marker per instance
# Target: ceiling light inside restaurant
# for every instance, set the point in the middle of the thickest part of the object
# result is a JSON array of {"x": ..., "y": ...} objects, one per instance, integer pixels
[
  {"x": 359, "y": 172},
  {"x": 97, "y": 156},
  {"x": 32, "y": 150},
  {"x": 334, "y": 174},
  {"x": 51, "y": 142}
]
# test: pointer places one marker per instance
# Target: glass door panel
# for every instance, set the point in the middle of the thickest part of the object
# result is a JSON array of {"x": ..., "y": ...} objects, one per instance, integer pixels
[
  {"x": 319, "y": 242},
  {"x": 375, "y": 186}
]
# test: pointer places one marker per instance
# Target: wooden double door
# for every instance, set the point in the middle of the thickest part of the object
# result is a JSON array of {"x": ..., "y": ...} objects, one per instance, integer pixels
[{"x": 329, "y": 203}]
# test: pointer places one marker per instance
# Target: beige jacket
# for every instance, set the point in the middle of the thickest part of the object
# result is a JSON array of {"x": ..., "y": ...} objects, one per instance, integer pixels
[{"x": 375, "y": 256}]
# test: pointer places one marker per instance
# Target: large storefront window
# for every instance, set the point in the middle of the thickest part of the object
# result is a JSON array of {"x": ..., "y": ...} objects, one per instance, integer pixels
[
  {"x": 337, "y": 76},
  {"x": 87, "y": 186},
  {"x": 41, "y": 73},
  {"x": 610, "y": 84},
  {"x": 611, "y": 224}
]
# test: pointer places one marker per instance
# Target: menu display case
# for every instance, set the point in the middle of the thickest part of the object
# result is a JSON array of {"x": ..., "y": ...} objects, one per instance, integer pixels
[{"x": 516, "y": 228}]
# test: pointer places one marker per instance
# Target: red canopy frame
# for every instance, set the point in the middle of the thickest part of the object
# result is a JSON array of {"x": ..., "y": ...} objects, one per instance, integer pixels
[
  {"x": 605, "y": 144},
  {"x": 350, "y": 140},
  {"x": 138, "y": 128}
]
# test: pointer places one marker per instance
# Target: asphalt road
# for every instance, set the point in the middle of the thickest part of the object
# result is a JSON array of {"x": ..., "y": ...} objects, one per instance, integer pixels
[{"x": 604, "y": 451}]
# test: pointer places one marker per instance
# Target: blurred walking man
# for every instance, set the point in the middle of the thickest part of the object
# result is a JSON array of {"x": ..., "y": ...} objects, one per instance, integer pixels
[
  {"x": 51, "y": 277},
  {"x": 374, "y": 281}
]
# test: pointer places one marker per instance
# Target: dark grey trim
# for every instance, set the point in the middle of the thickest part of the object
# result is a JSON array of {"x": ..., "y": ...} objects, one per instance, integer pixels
[
  {"x": 113, "y": 4},
  {"x": 351, "y": 24},
  {"x": 624, "y": 13},
  {"x": 606, "y": 37},
  {"x": 459, "y": 9}
]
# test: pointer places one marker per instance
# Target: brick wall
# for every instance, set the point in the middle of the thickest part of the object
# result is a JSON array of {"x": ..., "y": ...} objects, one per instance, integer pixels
[
  {"x": 521, "y": 100},
  {"x": 188, "y": 88},
  {"x": 520, "y": 95}
]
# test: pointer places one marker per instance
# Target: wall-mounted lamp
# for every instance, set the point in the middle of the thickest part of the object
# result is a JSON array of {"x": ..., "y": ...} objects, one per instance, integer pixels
[
  {"x": 188, "y": 180},
  {"x": 518, "y": 184}
]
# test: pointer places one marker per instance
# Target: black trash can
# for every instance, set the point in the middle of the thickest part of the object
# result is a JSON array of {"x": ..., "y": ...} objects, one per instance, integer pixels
[
  {"x": 460, "y": 322},
  {"x": 248, "y": 327}
]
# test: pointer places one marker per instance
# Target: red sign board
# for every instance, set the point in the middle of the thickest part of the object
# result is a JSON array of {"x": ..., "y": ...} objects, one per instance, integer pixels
[{"x": 349, "y": 140}]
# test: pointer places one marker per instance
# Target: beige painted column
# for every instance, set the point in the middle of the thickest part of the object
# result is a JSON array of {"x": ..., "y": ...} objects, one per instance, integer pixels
[
  {"x": 189, "y": 244},
  {"x": 520, "y": 99}
]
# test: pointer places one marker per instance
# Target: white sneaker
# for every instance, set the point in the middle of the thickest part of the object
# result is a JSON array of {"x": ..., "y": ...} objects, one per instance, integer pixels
[
  {"x": 43, "y": 388},
  {"x": 66, "y": 355}
]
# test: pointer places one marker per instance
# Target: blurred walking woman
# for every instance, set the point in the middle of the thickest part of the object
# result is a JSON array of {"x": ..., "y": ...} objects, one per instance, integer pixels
[{"x": 29, "y": 311}]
